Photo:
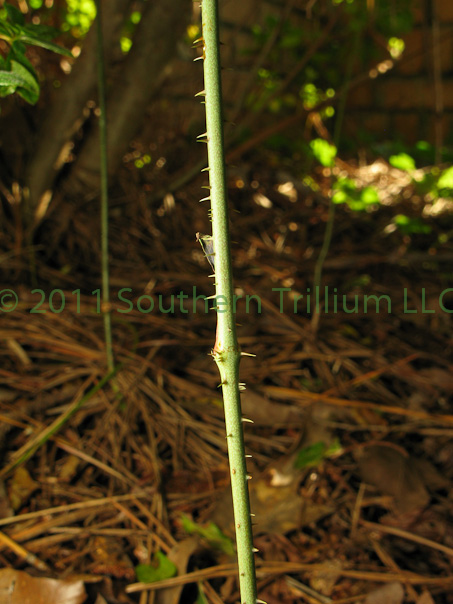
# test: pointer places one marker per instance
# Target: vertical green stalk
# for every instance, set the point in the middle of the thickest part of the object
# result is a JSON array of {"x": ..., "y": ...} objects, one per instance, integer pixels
[
  {"x": 226, "y": 351},
  {"x": 104, "y": 190},
  {"x": 336, "y": 141}
]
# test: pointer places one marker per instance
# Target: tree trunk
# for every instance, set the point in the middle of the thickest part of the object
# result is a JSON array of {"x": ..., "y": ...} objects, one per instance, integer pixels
[
  {"x": 154, "y": 45},
  {"x": 65, "y": 115}
]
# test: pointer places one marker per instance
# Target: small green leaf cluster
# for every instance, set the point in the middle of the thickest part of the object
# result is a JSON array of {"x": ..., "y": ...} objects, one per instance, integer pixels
[
  {"x": 434, "y": 183},
  {"x": 313, "y": 455},
  {"x": 211, "y": 533},
  {"x": 357, "y": 198},
  {"x": 17, "y": 74},
  {"x": 411, "y": 226},
  {"x": 80, "y": 15},
  {"x": 163, "y": 568}
]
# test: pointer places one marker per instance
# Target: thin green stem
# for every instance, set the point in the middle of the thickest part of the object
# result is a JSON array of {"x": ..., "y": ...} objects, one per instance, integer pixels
[
  {"x": 38, "y": 441},
  {"x": 337, "y": 133},
  {"x": 226, "y": 350},
  {"x": 104, "y": 190}
]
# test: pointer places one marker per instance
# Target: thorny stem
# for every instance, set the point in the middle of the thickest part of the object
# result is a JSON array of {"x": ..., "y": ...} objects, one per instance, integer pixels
[{"x": 226, "y": 351}]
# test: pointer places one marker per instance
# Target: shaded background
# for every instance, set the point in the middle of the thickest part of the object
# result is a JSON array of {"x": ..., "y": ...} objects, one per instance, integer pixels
[{"x": 349, "y": 101}]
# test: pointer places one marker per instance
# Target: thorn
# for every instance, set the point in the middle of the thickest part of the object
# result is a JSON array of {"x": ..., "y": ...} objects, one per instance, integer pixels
[
  {"x": 205, "y": 198},
  {"x": 260, "y": 602},
  {"x": 202, "y": 141},
  {"x": 246, "y": 420},
  {"x": 255, "y": 550},
  {"x": 249, "y": 455},
  {"x": 206, "y": 169},
  {"x": 252, "y": 515},
  {"x": 206, "y": 187},
  {"x": 198, "y": 40},
  {"x": 249, "y": 477},
  {"x": 242, "y": 388},
  {"x": 198, "y": 58},
  {"x": 201, "y": 135},
  {"x": 211, "y": 297},
  {"x": 247, "y": 354},
  {"x": 201, "y": 93}
]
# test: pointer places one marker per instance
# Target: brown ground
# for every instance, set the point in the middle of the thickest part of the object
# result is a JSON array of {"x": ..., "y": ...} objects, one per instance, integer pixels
[{"x": 95, "y": 483}]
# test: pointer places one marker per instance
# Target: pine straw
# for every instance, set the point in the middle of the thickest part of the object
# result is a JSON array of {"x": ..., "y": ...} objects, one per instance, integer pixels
[{"x": 150, "y": 444}]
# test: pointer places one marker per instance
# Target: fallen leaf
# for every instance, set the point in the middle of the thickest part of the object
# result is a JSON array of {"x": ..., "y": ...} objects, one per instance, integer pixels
[
  {"x": 275, "y": 501},
  {"x": 265, "y": 412},
  {"x": 392, "y": 473},
  {"x": 18, "y": 587},
  {"x": 425, "y": 598},
  {"x": 323, "y": 581},
  {"x": 392, "y": 593}
]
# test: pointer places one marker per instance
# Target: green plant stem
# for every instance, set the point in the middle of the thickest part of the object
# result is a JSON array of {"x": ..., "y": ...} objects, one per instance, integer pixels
[
  {"x": 337, "y": 133},
  {"x": 39, "y": 440},
  {"x": 104, "y": 190},
  {"x": 226, "y": 350}
]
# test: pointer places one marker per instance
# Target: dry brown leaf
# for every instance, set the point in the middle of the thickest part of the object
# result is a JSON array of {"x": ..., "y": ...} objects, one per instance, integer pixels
[
  {"x": 323, "y": 581},
  {"x": 392, "y": 593},
  {"x": 18, "y": 587},
  {"x": 425, "y": 598},
  {"x": 265, "y": 412},
  {"x": 20, "y": 487},
  {"x": 394, "y": 474},
  {"x": 275, "y": 501}
]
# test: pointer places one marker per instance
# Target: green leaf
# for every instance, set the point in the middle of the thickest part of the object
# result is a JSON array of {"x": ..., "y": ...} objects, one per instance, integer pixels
[
  {"x": 20, "y": 80},
  {"x": 324, "y": 152},
  {"x": 6, "y": 30},
  {"x": 313, "y": 455},
  {"x": 446, "y": 179},
  {"x": 17, "y": 53},
  {"x": 402, "y": 161},
  {"x": 211, "y": 533},
  {"x": 14, "y": 14},
  {"x": 411, "y": 226},
  {"x": 149, "y": 573},
  {"x": 369, "y": 196},
  {"x": 28, "y": 38}
]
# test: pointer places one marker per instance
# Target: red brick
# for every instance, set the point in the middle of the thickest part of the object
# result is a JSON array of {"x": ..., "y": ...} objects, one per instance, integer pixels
[
  {"x": 406, "y": 126},
  {"x": 399, "y": 93},
  {"x": 414, "y": 45},
  {"x": 373, "y": 122},
  {"x": 361, "y": 96},
  {"x": 444, "y": 10}
]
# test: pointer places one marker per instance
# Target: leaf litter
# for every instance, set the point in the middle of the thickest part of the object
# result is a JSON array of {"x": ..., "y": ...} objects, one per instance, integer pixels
[{"x": 107, "y": 489}]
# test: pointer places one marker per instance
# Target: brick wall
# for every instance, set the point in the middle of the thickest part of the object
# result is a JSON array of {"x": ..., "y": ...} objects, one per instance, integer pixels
[
  {"x": 401, "y": 104},
  {"x": 406, "y": 103}
]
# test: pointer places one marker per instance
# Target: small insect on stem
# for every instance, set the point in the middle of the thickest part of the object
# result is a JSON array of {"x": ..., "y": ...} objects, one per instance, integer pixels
[{"x": 207, "y": 245}]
